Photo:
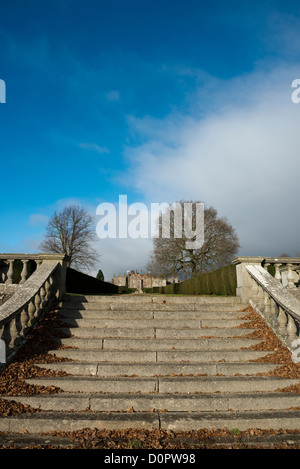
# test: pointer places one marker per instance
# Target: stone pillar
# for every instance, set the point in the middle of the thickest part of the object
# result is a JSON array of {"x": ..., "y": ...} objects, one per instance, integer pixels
[
  {"x": 244, "y": 281},
  {"x": 61, "y": 273}
]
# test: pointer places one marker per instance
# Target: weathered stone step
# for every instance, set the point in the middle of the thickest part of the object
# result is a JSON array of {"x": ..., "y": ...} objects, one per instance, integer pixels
[
  {"x": 203, "y": 332},
  {"x": 107, "y": 369},
  {"x": 168, "y": 402},
  {"x": 269, "y": 440},
  {"x": 184, "y": 333},
  {"x": 36, "y": 441},
  {"x": 139, "y": 356},
  {"x": 104, "y": 314},
  {"x": 264, "y": 420},
  {"x": 183, "y": 307},
  {"x": 159, "y": 344},
  {"x": 45, "y": 422},
  {"x": 144, "y": 298},
  {"x": 150, "y": 323},
  {"x": 216, "y": 384}
]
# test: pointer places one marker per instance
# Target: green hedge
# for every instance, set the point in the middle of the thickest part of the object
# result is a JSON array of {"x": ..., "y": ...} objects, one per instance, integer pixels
[
  {"x": 126, "y": 290},
  {"x": 219, "y": 282}
]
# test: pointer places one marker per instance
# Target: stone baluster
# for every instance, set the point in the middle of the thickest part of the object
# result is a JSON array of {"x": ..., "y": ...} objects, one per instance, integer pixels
[
  {"x": 37, "y": 303},
  {"x": 14, "y": 333},
  {"x": 267, "y": 303},
  {"x": 282, "y": 320},
  {"x": 24, "y": 318},
  {"x": 255, "y": 291},
  {"x": 260, "y": 298},
  {"x": 10, "y": 272},
  {"x": 49, "y": 291},
  {"x": 277, "y": 272},
  {"x": 290, "y": 278},
  {"x": 31, "y": 311},
  {"x": 24, "y": 274},
  {"x": 291, "y": 329},
  {"x": 42, "y": 296},
  {"x": 273, "y": 308}
]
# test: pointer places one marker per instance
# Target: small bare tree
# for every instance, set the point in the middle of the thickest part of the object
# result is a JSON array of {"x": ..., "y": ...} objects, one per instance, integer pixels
[
  {"x": 170, "y": 256},
  {"x": 72, "y": 232}
]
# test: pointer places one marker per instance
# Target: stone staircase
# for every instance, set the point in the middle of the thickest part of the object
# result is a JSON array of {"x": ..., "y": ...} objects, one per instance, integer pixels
[{"x": 155, "y": 362}]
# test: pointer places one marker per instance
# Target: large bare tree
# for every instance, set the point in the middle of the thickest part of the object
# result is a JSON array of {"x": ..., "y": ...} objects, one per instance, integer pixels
[
  {"x": 170, "y": 255},
  {"x": 72, "y": 232}
]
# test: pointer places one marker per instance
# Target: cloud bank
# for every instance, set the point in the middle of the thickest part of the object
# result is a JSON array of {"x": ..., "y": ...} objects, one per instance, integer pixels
[{"x": 237, "y": 150}]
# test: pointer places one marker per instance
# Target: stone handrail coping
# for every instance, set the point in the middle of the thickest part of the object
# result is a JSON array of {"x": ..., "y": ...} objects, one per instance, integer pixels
[
  {"x": 27, "y": 291},
  {"x": 266, "y": 260},
  {"x": 276, "y": 290},
  {"x": 40, "y": 256},
  {"x": 282, "y": 260}
]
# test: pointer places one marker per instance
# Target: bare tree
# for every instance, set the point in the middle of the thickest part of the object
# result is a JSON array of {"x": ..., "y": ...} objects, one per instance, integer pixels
[
  {"x": 72, "y": 232},
  {"x": 170, "y": 256}
]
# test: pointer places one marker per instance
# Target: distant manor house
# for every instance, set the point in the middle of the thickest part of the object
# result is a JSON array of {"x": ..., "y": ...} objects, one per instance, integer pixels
[{"x": 133, "y": 279}]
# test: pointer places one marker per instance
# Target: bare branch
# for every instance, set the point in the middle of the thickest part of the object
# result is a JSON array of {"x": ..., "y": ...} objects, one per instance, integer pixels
[
  {"x": 71, "y": 232},
  {"x": 170, "y": 256}
]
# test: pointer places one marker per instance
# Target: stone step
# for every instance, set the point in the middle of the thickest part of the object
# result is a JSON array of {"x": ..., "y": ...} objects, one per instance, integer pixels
[
  {"x": 18, "y": 440},
  {"x": 46, "y": 422},
  {"x": 112, "y": 402},
  {"x": 264, "y": 420},
  {"x": 159, "y": 344},
  {"x": 104, "y": 314},
  {"x": 164, "y": 385},
  {"x": 157, "y": 362},
  {"x": 160, "y": 299},
  {"x": 187, "y": 333},
  {"x": 108, "y": 369},
  {"x": 138, "y": 356},
  {"x": 269, "y": 440},
  {"x": 150, "y": 323},
  {"x": 181, "y": 307}
]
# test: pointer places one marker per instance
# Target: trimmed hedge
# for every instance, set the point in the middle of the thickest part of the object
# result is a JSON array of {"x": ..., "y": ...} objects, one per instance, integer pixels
[
  {"x": 77, "y": 282},
  {"x": 219, "y": 282},
  {"x": 125, "y": 290}
]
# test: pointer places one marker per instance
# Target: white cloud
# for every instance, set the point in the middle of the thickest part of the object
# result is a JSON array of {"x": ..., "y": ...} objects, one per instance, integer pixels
[
  {"x": 242, "y": 157},
  {"x": 120, "y": 255},
  {"x": 38, "y": 219}
]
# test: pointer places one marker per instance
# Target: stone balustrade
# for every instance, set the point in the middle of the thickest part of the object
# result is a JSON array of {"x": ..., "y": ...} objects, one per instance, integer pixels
[
  {"x": 34, "y": 295},
  {"x": 287, "y": 270},
  {"x": 8, "y": 266},
  {"x": 272, "y": 296}
]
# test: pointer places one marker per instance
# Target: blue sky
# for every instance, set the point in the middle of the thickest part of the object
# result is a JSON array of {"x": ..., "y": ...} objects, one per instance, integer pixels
[{"x": 160, "y": 100}]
